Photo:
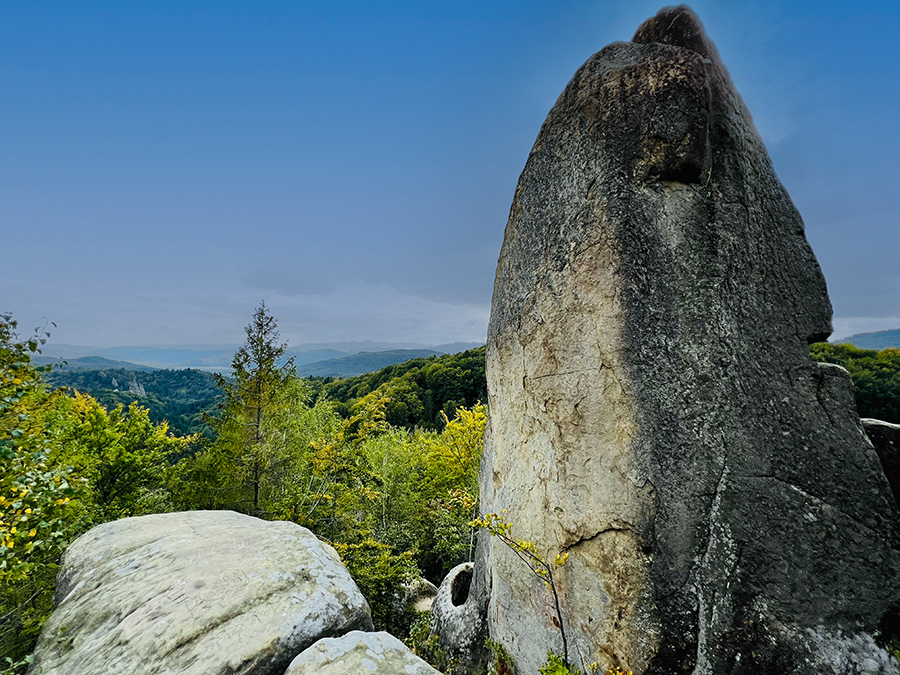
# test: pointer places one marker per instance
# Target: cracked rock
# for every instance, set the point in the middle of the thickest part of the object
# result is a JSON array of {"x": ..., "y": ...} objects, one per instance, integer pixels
[{"x": 653, "y": 409}]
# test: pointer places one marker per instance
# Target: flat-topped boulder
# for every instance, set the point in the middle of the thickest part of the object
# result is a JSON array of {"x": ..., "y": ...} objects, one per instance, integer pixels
[
  {"x": 360, "y": 653},
  {"x": 653, "y": 410},
  {"x": 195, "y": 593}
]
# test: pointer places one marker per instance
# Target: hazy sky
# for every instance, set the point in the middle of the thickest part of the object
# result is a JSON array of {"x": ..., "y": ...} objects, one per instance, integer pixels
[{"x": 164, "y": 166}]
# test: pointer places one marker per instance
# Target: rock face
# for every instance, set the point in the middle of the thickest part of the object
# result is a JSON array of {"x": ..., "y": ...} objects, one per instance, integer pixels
[
  {"x": 654, "y": 412},
  {"x": 886, "y": 439},
  {"x": 359, "y": 652},
  {"x": 195, "y": 593}
]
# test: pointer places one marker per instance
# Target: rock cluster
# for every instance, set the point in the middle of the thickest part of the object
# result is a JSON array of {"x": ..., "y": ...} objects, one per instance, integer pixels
[{"x": 654, "y": 412}]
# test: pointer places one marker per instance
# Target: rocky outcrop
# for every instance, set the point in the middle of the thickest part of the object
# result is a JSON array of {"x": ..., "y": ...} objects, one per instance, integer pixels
[
  {"x": 885, "y": 438},
  {"x": 653, "y": 409},
  {"x": 358, "y": 652},
  {"x": 194, "y": 593},
  {"x": 458, "y": 619}
]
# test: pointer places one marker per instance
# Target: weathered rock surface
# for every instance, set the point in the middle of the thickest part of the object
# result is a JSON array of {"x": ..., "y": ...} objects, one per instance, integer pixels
[
  {"x": 415, "y": 596},
  {"x": 459, "y": 621},
  {"x": 200, "y": 592},
  {"x": 886, "y": 439},
  {"x": 653, "y": 408},
  {"x": 358, "y": 653}
]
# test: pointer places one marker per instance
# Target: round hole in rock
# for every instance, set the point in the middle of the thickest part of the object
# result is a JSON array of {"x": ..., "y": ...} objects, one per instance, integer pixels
[{"x": 459, "y": 590}]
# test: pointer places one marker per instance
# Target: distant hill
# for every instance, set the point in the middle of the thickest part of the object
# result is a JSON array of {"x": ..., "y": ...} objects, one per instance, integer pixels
[
  {"x": 301, "y": 358},
  {"x": 879, "y": 340},
  {"x": 177, "y": 396},
  {"x": 365, "y": 362},
  {"x": 418, "y": 390},
  {"x": 89, "y": 363},
  {"x": 217, "y": 358}
]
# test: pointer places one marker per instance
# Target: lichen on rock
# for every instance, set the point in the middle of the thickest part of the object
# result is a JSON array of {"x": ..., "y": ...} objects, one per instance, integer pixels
[
  {"x": 653, "y": 408},
  {"x": 199, "y": 592},
  {"x": 359, "y": 652}
]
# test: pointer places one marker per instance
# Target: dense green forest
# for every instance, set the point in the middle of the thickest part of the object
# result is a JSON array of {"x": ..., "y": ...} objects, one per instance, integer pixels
[
  {"x": 419, "y": 392},
  {"x": 395, "y": 502},
  {"x": 179, "y": 397}
]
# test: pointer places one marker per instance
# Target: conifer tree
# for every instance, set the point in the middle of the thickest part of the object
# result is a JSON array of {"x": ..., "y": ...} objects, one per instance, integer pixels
[{"x": 257, "y": 377}]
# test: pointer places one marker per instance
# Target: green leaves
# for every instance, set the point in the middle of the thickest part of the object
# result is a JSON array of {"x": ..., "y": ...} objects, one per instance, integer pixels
[
  {"x": 65, "y": 463},
  {"x": 527, "y": 552},
  {"x": 420, "y": 389},
  {"x": 876, "y": 377},
  {"x": 380, "y": 574}
]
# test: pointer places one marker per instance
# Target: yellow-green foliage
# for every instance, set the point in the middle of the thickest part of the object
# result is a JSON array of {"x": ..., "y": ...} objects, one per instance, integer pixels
[
  {"x": 358, "y": 483},
  {"x": 66, "y": 464},
  {"x": 556, "y": 665},
  {"x": 380, "y": 574},
  {"x": 122, "y": 457},
  {"x": 527, "y": 552},
  {"x": 395, "y": 502}
]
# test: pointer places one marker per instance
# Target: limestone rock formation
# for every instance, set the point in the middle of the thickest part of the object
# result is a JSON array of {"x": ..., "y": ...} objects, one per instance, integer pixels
[
  {"x": 654, "y": 412},
  {"x": 359, "y": 652},
  {"x": 459, "y": 620},
  {"x": 194, "y": 593}
]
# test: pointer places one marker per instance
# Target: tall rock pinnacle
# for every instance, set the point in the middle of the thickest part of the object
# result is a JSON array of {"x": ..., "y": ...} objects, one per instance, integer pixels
[{"x": 654, "y": 412}]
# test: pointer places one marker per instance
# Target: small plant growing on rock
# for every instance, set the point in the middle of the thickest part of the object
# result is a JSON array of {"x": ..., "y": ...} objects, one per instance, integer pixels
[
  {"x": 501, "y": 663},
  {"x": 527, "y": 552},
  {"x": 16, "y": 667},
  {"x": 555, "y": 665},
  {"x": 426, "y": 645}
]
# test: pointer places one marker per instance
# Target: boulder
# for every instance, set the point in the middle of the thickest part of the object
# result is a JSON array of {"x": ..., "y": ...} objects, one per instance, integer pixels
[
  {"x": 414, "y": 597},
  {"x": 653, "y": 410},
  {"x": 358, "y": 653},
  {"x": 885, "y": 438},
  {"x": 194, "y": 593},
  {"x": 458, "y": 620}
]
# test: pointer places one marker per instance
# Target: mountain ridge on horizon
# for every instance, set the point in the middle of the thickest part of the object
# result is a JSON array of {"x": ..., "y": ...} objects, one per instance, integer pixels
[
  {"x": 218, "y": 357},
  {"x": 878, "y": 340}
]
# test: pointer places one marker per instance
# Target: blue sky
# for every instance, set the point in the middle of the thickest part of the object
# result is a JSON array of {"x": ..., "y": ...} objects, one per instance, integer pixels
[{"x": 164, "y": 166}]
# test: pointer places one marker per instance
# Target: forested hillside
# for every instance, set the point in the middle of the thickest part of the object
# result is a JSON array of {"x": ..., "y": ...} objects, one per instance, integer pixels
[
  {"x": 395, "y": 503},
  {"x": 876, "y": 377},
  {"x": 364, "y": 362},
  {"x": 179, "y": 397},
  {"x": 418, "y": 391}
]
